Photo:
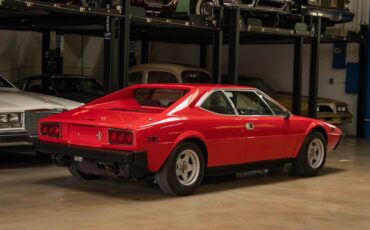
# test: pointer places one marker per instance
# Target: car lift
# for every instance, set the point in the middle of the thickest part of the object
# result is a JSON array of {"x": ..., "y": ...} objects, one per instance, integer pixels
[{"x": 123, "y": 23}]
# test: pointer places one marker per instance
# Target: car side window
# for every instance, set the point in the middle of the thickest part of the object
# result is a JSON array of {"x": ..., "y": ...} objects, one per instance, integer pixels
[
  {"x": 35, "y": 85},
  {"x": 249, "y": 103},
  {"x": 135, "y": 78},
  {"x": 274, "y": 107},
  {"x": 218, "y": 103},
  {"x": 158, "y": 77}
]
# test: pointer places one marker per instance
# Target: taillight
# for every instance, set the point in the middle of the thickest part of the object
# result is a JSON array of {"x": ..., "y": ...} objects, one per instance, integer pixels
[
  {"x": 120, "y": 137},
  {"x": 51, "y": 130}
]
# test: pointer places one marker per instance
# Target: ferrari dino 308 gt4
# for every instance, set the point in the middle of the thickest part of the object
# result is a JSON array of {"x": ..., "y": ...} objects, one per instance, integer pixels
[{"x": 180, "y": 133}]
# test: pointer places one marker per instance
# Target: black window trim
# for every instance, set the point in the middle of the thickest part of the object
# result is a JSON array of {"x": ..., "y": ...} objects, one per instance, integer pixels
[
  {"x": 208, "y": 94},
  {"x": 258, "y": 92}
]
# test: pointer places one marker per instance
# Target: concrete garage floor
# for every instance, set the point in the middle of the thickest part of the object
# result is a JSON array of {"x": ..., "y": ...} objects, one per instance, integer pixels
[{"x": 36, "y": 195}]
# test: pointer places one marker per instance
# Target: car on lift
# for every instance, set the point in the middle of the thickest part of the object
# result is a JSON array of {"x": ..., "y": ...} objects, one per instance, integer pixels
[
  {"x": 20, "y": 112},
  {"x": 159, "y": 73},
  {"x": 328, "y": 110},
  {"x": 282, "y": 13},
  {"x": 177, "y": 133},
  {"x": 73, "y": 87}
]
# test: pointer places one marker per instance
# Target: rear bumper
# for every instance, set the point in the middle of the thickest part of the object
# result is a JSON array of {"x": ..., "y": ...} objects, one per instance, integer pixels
[
  {"x": 126, "y": 163},
  {"x": 14, "y": 138}
]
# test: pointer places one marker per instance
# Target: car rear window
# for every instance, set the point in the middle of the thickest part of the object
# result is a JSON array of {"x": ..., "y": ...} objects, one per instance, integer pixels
[
  {"x": 196, "y": 77},
  {"x": 158, "y": 97}
]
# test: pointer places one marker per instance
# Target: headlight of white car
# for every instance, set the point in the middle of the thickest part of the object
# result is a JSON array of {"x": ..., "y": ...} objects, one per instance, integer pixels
[{"x": 10, "y": 120}]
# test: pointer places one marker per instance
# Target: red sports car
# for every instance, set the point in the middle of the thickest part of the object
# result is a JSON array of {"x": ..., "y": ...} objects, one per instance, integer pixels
[{"x": 179, "y": 133}]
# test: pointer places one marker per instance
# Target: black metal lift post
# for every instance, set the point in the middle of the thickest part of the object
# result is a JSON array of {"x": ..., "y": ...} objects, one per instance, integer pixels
[
  {"x": 144, "y": 51},
  {"x": 297, "y": 76},
  {"x": 314, "y": 71},
  {"x": 363, "y": 81},
  {"x": 234, "y": 43},
  {"x": 124, "y": 46},
  {"x": 217, "y": 42},
  {"x": 59, "y": 50},
  {"x": 108, "y": 58},
  {"x": 203, "y": 57},
  {"x": 45, "y": 51}
]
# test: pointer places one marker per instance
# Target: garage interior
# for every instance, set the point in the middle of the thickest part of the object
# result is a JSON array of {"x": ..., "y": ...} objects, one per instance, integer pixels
[{"x": 67, "y": 39}]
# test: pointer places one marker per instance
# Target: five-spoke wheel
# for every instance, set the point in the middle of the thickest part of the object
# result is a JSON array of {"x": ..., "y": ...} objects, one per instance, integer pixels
[
  {"x": 312, "y": 156},
  {"x": 183, "y": 171}
]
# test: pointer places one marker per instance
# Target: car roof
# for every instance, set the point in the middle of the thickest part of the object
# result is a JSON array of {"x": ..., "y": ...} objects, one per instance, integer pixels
[
  {"x": 168, "y": 66},
  {"x": 192, "y": 86},
  {"x": 59, "y": 76}
]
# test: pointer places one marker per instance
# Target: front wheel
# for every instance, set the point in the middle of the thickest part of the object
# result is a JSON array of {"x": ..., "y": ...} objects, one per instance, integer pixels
[
  {"x": 312, "y": 156},
  {"x": 207, "y": 8},
  {"x": 183, "y": 171}
]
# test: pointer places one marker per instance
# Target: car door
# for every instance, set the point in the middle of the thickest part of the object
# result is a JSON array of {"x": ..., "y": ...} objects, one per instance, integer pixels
[
  {"x": 223, "y": 130},
  {"x": 268, "y": 135}
]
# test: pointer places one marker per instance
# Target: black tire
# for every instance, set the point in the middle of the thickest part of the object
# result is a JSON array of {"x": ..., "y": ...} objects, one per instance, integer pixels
[
  {"x": 73, "y": 169},
  {"x": 301, "y": 165},
  {"x": 167, "y": 178},
  {"x": 207, "y": 8}
]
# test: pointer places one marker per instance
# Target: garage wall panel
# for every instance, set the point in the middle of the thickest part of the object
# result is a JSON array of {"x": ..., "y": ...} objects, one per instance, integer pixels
[{"x": 20, "y": 54}]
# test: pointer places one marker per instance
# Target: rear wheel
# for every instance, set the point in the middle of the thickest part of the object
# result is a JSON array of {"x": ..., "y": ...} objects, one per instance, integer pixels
[
  {"x": 312, "y": 156},
  {"x": 183, "y": 171},
  {"x": 73, "y": 169},
  {"x": 207, "y": 8}
]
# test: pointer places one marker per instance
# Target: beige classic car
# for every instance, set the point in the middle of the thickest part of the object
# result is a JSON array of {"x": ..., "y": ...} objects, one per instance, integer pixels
[
  {"x": 328, "y": 110},
  {"x": 157, "y": 73}
]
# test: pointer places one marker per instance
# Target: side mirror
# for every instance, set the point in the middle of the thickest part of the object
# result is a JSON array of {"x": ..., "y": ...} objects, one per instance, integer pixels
[{"x": 287, "y": 115}]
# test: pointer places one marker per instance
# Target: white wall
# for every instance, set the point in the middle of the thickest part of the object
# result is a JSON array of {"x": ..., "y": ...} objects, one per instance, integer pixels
[
  {"x": 20, "y": 54},
  {"x": 92, "y": 59}
]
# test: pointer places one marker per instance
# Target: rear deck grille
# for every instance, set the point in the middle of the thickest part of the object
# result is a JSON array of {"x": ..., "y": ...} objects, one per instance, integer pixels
[{"x": 32, "y": 118}]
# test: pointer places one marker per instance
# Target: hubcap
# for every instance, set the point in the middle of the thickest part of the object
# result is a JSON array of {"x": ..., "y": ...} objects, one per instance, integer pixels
[
  {"x": 207, "y": 9},
  {"x": 316, "y": 152},
  {"x": 187, "y": 167}
]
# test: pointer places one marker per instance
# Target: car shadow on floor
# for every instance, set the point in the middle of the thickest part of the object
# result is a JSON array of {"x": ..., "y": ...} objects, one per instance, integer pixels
[
  {"x": 21, "y": 158},
  {"x": 148, "y": 191}
]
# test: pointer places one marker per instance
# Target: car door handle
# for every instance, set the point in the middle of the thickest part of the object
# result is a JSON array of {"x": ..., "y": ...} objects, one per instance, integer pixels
[{"x": 249, "y": 126}]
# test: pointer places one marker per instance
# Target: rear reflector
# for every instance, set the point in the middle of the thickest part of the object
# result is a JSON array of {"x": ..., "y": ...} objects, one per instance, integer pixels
[
  {"x": 120, "y": 137},
  {"x": 51, "y": 130}
]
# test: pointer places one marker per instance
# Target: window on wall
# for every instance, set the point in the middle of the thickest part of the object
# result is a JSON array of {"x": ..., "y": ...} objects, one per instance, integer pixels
[
  {"x": 158, "y": 77},
  {"x": 248, "y": 103},
  {"x": 218, "y": 103}
]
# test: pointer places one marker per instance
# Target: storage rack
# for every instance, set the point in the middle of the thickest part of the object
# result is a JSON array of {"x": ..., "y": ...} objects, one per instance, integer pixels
[{"x": 124, "y": 23}]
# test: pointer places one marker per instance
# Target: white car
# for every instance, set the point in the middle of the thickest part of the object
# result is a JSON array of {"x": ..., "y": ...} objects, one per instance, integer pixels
[
  {"x": 161, "y": 73},
  {"x": 20, "y": 112}
]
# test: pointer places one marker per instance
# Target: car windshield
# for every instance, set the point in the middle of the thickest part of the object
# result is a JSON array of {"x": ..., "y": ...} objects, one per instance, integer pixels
[
  {"x": 257, "y": 83},
  {"x": 4, "y": 83},
  {"x": 158, "y": 97},
  {"x": 71, "y": 85},
  {"x": 195, "y": 77}
]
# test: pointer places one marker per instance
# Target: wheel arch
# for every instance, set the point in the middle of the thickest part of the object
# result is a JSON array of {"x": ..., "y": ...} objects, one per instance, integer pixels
[
  {"x": 196, "y": 138},
  {"x": 320, "y": 129}
]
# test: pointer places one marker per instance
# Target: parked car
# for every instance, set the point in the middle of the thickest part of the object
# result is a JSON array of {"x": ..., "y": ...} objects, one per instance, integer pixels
[
  {"x": 328, "y": 110},
  {"x": 282, "y": 13},
  {"x": 178, "y": 133},
  {"x": 155, "y": 73},
  {"x": 20, "y": 112},
  {"x": 77, "y": 88}
]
